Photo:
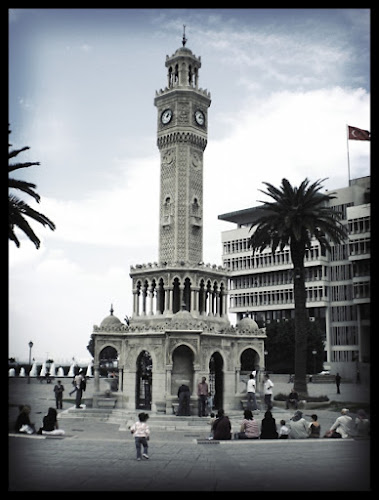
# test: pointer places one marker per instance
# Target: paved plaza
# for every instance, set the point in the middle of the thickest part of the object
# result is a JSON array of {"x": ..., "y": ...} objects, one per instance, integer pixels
[{"x": 97, "y": 452}]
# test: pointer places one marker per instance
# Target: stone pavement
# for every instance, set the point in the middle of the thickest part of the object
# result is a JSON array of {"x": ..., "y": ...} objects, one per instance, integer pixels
[{"x": 98, "y": 453}]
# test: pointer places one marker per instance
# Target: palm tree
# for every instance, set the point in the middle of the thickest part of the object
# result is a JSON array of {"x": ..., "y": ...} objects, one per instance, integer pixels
[
  {"x": 295, "y": 217},
  {"x": 18, "y": 209}
]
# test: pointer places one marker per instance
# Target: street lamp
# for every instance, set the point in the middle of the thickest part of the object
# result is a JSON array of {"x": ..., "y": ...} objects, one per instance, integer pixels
[
  {"x": 265, "y": 353},
  {"x": 314, "y": 352},
  {"x": 30, "y": 359}
]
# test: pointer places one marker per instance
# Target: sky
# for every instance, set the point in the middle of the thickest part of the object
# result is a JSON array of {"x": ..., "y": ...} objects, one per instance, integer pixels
[{"x": 284, "y": 84}]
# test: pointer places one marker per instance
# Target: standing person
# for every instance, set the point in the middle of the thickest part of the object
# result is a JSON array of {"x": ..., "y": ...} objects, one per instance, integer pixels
[
  {"x": 342, "y": 427},
  {"x": 268, "y": 385},
  {"x": 284, "y": 430},
  {"x": 268, "y": 427},
  {"x": 184, "y": 401},
  {"x": 314, "y": 427},
  {"x": 222, "y": 427},
  {"x": 338, "y": 382},
  {"x": 141, "y": 433},
  {"x": 80, "y": 384},
  {"x": 251, "y": 399},
  {"x": 298, "y": 426},
  {"x": 58, "y": 391},
  {"x": 50, "y": 424},
  {"x": 249, "y": 427},
  {"x": 202, "y": 393}
]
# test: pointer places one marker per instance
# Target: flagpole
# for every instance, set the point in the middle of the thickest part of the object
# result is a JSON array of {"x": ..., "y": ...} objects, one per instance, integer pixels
[{"x": 348, "y": 155}]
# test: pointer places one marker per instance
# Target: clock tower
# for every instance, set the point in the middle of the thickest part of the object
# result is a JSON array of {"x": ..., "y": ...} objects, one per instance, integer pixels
[
  {"x": 179, "y": 330},
  {"x": 182, "y": 137}
]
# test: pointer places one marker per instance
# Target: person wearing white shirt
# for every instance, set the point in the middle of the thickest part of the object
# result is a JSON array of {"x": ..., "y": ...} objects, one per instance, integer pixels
[
  {"x": 251, "y": 399},
  {"x": 268, "y": 385},
  {"x": 342, "y": 426}
]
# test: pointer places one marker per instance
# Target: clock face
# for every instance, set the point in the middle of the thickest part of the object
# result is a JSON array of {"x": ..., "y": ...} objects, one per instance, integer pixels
[
  {"x": 166, "y": 116},
  {"x": 199, "y": 117}
]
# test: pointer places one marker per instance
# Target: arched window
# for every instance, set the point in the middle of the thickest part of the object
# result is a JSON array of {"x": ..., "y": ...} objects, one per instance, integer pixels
[
  {"x": 161, "y": 296},
  {"x": 176, "y": 296},
  {"x": 187, "y": 294}
]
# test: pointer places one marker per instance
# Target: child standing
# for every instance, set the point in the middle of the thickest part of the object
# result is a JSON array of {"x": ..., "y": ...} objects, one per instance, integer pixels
[
  {"x": 141, "y": 433},
  {"x": 284, "y": 430}
]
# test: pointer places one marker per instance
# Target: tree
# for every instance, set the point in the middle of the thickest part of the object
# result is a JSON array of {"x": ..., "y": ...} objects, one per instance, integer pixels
[
  {"x": 18, "y": 209},
  {"x": 295, "y": 217},
  {"x": 280, "y": 344}
]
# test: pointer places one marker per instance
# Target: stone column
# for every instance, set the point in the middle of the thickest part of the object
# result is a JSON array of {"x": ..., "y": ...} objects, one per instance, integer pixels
[
  {"x": 195, "y": 300},
  {"x": 237, "y": 380},
  {"x": 96, "y": 372},
  {"x": 135, "y": 303},
  {"x": 168, "y": 390},
  {"x": 151, "y": 294}
]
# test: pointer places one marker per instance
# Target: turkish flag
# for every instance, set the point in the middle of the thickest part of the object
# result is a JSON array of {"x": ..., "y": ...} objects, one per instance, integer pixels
[{"x": 358, "y": 134}]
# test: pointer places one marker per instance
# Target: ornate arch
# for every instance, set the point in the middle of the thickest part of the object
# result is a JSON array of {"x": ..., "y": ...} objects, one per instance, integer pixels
[{"x": 175, "y": 343}]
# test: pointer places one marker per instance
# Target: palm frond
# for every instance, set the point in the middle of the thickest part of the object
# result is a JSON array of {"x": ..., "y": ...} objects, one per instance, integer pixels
[
  {"x": 295, "y": 216},
  {"x": 26, "y": 187},
  {"x": 16, "y": 166},
  {"x": 15, "y": 152},
  {"x": 18, "y": 210}
]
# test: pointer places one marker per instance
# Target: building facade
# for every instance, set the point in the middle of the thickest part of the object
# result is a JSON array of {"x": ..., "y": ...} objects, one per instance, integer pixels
[
  {"x": 179, "y": 330},
  {"x": 337, "y": 282}
]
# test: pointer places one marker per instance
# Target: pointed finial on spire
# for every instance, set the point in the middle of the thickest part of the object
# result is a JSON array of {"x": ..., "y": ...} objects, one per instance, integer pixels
[
  {"x": 111, "y": 309},
  {"x": 184, "y": 40}
]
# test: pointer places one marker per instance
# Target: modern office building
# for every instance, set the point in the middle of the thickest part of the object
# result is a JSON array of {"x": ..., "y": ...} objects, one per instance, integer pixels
[{"x": 337, "y": 281}]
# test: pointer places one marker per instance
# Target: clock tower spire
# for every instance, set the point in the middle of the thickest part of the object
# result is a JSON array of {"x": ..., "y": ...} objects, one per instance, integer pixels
[{"x": 182, "y": 138}]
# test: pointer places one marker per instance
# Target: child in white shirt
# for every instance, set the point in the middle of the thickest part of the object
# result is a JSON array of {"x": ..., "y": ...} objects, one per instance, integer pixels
[
  {"x": 141, "y": 433},
  {"x": 284, "y": 430}
]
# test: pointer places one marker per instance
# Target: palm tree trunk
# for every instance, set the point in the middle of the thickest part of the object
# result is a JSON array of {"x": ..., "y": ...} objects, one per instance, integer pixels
[{"x": 301, "y": 322}]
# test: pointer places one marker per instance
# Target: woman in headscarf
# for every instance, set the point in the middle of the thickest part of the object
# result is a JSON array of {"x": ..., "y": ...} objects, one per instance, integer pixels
[
  {"x": 298, "y": 426},
  {"x": 222, "y": 426},
  {"x": 268, "y": 427}
]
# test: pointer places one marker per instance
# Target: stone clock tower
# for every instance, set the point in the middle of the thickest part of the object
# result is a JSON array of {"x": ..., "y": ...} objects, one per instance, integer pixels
[
  {"x": 182, "y": 137},
  {"x": 179, "y": 330}
]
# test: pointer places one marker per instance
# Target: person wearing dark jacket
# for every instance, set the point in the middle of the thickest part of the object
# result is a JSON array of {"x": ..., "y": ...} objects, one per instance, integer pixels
[
  {"x": 222, "y": 427},
  {"x": 184, "y": 401},
  {"x": 268, "y": 427},
  {"x": 23, "y": 423}
]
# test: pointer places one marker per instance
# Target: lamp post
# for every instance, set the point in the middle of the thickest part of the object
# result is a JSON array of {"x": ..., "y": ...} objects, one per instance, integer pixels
[
  {"x": 265, "y": 353},
  {"x": 30, "y": 359},
  {"x": 314, "y": 352}
]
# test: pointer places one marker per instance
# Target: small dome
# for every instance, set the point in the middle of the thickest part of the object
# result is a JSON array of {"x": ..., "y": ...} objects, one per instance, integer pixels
[
  {"x": 183, "y": 314},
  {"x": 183, "y": 50},
  {"x": 247, "y": 324},
  {"x": 110, "y": 321}
]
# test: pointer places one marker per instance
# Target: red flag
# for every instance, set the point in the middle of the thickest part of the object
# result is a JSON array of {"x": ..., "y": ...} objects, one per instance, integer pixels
[{"x": 358, "y": 134}]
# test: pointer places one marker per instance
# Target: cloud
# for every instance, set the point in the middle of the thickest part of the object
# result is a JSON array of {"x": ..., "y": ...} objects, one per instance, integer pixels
[
  {"x": 108, "y": 217},
  {"x": 55, "y": 302}
]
